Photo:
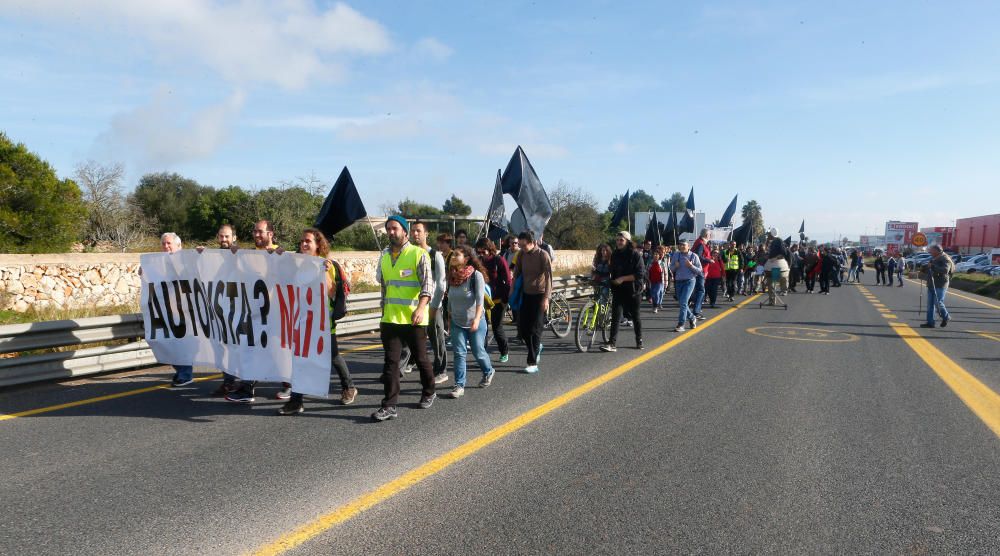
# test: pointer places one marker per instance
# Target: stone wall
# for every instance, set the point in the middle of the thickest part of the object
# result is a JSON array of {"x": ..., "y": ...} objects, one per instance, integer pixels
[{"x": 77, "y": 280}]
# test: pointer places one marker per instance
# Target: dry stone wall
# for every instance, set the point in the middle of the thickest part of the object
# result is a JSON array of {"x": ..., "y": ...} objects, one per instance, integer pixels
[{"x": 80, "y": 280}]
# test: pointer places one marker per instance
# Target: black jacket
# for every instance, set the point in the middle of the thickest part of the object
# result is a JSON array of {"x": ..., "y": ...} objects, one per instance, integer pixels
[{"x": 626, "y": 262}]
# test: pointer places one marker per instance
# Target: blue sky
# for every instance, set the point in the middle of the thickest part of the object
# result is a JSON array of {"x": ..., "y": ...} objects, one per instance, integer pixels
[{"x": 842, "y": 114}]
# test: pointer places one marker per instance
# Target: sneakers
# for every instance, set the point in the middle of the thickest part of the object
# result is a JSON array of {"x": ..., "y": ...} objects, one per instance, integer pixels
[
  {"x": 504, "y": 358},
  {"x": 285, "y": 392},
  {"x": 384, "y": 414},
  {"x": 441, "y": 378},
  {"x": 656, "y": 310},
  {"x": 242, "y": 395},
  {"x": 699, "y": 316},
  {"x": 638, "y": 344},
  {"x": 538, "y": 358},
  {"x": 944, "y": 322},
  {"x": 679, "y": 328},
  {"x": 609, "y": 347},
  {"x": 291, "y": 407},
  {"x": 531, "y": 369},
  {"x": 427, "y": 401},
  {"x": 693, "y": 323},
  {"x": 348, "y": 395},
  {"x": 407, "y": 369},
  {"x": 456, "y": 392},
  {"x": 177, "y": 383},
  {"x": 487, "y": 379},
  {"x": 224, "y": 389},
  {"x": 927, "y": 325}
]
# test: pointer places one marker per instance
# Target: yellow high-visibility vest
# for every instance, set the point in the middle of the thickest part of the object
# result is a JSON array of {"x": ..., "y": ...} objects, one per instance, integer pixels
[
  {"x": 732, "y": 261},
  {"x": 402, "y": 286}
]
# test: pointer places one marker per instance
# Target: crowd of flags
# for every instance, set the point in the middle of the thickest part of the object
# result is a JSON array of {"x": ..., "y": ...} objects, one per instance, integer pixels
[{"x": 343, "y": 207}]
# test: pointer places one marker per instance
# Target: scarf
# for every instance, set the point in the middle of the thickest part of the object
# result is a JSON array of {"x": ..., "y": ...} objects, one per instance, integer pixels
[{"x": 458, "y": 275}]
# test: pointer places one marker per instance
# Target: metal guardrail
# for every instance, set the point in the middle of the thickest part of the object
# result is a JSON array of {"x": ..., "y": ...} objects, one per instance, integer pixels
[{"x": 363, "y": 317}]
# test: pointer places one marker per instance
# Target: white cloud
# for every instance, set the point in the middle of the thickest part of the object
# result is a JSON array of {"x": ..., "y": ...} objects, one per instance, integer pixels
[
  {"x": 289, "y": 43},
  {"x": 162, "y": 133},
  {"x": 875, "y": 87},
  {"x": 433, "y": 48}
]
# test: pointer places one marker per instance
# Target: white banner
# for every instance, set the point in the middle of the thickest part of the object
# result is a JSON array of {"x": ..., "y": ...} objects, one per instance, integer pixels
[{"x": 257, "y": 315}]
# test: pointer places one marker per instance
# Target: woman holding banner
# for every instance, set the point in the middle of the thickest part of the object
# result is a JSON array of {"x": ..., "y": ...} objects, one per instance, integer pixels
[{"x": 314, "y": 243}]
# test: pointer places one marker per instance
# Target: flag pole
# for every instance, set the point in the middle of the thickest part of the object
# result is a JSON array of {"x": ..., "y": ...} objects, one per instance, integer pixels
[{"x": 374, "y": 233}]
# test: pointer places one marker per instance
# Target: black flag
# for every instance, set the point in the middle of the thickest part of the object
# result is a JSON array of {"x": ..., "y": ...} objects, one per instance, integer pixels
[
  {"x": 521, "y": 182},
  {"x": 788, "y": 241},
  {"x": 517, "y": 222},
  {"x": 496, "y": 214},
  {"x": 802, "y": 231},
  {"x": 621, "y": 211},
  {"x": 687, "y": 221},
  {"x": 742, "y": 233},
  {"x": 653, "y": 231},
  {"x": 727, "y": 217},
  {"x": 670, "y": 228},
  {"x": 342, "y": 206}
]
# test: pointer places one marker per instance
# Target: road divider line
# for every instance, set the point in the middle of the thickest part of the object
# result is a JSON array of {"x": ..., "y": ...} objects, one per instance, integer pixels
[
  {"x": 985, "y": 334},
  {"x": 127, "y": 393},
  {"x": 403, "y": 482},
  {"x": 951, "y": 292},
  {"x": 985, "y": 403}
]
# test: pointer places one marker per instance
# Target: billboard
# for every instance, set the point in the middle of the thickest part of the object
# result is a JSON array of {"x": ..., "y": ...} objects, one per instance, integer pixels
[{"x": 898, "y": 235}]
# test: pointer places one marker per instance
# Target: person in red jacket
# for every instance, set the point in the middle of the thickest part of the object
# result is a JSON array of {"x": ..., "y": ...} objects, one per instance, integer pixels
[{"x": 713, "y": 276}]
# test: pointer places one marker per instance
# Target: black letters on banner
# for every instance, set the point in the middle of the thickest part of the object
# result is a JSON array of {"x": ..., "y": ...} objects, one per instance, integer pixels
[
  {"x": 223, "y": 332},
  {"x": 260, "y": 290},
  {"x": 156, "y": 321},
  {"x": 245, "y": 327}
]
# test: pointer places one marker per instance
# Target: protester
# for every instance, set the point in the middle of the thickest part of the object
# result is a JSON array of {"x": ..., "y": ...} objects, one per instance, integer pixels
[
  {"x": 314, "y": 244},
  {"x": 938, "y": 274},
  {"x": 601, "y": 267},
  {"x": 547, "y": 248},
  {"x": 898, "y": 257},
  {"x": 466, "y": 293},
  {"x": 658, "y": 277},
  {"x": 795, "y": 268},
  {"x": 535, "y": 270},
  {"x": 170, "y": 243},
  {"x": 407, "y": 282},
  {"x": 686, "y": 267},
  {"x": 435, "y": 328},
  {"x": 812, "y": 265},
  {"x": 830, "y": 269},
  {"x": 713, "y": 277},
  {"x": 891, "y": 268},
  {"x": 461, "y": 237},
  {"x": 226, "y": 237},
  {"x": 626, "y": 287},
  {"x": 841, "y": 263},
  {"x": 511, "y": 251},
  {"x": 852, "y": 273},
  {"x": 499, "y": 277},
  {"x": 733, "y": 261},
  {"x": 879, "y": 264},
  {"x": 263, "y": 240},
  {"x": 777, "y": 258},
  {"x": 700, "y": 250}
]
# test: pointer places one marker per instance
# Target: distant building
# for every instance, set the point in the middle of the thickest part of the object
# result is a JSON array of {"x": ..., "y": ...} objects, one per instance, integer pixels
[{"x": 977, "y": 234}]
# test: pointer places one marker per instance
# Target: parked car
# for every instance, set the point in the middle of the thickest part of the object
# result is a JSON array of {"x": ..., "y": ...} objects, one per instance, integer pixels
[
  {"x": 985, "y": 268},
  {"x": 914, "y": 261},
  {"x": 995, "y": 272},
  {"x": 965, "y": 265}
]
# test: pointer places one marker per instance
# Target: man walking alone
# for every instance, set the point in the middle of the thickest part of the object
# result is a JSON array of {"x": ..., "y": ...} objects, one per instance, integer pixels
[
  {"x": 535, "y": 269},
  {"x": 938, "y": 275}
]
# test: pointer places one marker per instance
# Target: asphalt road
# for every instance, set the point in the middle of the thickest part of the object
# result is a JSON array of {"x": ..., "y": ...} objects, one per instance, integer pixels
[{"x": 812, "y": 430}]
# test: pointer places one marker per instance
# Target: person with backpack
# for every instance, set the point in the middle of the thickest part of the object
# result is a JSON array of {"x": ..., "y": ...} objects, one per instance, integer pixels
[
  {"x": 467, "y": 295},
  {"x": 499, "y": 282},
  {"x": 313, "y": 243},
  {"x": 704, "y": 254}
]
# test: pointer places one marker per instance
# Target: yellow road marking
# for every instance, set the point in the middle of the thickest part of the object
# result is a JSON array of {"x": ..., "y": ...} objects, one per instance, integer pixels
[
  {"x": 985, "y": 334},
  {"x": 366, "y": 501},
  {"x": 951, "y": 292},
  {"x": 51, "y": 408},
  {"x": 889, "y": 316},
  {"x": 985, "y": 403}
]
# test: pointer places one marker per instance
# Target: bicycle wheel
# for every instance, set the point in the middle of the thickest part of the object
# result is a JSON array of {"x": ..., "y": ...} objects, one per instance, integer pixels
[
  {"x": 587, "y": 323},
  {"x": 560, "y": 316}
]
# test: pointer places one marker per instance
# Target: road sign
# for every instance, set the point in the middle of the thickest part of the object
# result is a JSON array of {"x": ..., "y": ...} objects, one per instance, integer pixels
[{"x": 919, "y": 239}]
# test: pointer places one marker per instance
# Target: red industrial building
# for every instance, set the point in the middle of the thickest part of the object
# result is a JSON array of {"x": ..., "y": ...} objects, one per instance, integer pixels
[
  {"x": 940, "y": 235},
  {"x": 977, "y": 234}
]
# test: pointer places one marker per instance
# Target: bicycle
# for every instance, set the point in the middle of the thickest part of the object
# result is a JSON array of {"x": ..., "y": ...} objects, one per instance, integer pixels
[
  {"x": 559, "y": 317},
  {"x": 595, "y": 315}
]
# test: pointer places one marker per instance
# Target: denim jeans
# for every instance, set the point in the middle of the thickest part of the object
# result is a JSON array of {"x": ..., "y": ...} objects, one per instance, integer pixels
[
  {"x": 699, "y": 292},
  {"x": 935, "y": 299},
  {"x": 656, "y": 294},
  {"x": 684, "y": 289},
  {"x": 183, "y": 373},
  {"x": 477, "y": 340}
]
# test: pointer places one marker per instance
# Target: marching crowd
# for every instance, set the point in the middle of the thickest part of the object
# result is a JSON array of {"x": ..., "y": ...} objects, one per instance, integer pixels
[{"x": 448, "y": 295}]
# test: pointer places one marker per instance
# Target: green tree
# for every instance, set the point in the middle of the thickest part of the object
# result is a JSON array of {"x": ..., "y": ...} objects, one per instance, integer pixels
[
  {"x": 456, "y": 207},
  {"x": 214, "y": 208},
  {"x": 575, "y": 222},
  {"x": 676, "y": 203},
  {"x": 289, "y": 210},
  {"x": 170, "y": 198},
  {"x": 39, "y": 213},
  {"x": 357, "y": 237},
  {"x": 412, "y": 209},
  {"x": 752, "y": 212}
]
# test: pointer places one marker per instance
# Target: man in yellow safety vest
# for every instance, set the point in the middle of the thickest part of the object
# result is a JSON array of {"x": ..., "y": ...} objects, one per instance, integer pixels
[{"x": 404, "y": 272}]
